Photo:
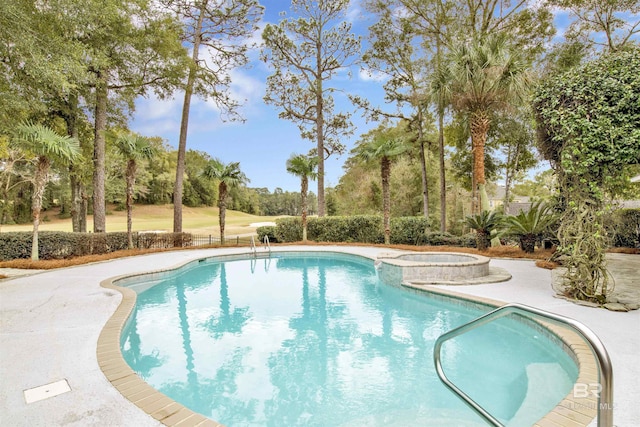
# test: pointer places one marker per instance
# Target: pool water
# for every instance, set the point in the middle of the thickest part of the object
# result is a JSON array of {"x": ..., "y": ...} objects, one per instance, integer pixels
[{"x": 317, "y": 340}]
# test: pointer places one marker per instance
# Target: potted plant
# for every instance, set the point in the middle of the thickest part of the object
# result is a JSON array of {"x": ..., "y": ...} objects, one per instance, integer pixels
[
  {"x": 529, "y": 226},
  {"x": 484, "y": 224}
]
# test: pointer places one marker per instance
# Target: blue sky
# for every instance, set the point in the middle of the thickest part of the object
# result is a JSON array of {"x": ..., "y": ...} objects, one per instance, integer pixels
[{"x": 263, "y": 143}]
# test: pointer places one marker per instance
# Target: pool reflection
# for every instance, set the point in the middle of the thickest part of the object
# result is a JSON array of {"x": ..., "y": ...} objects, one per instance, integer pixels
[{"x": 303, "y": 341}]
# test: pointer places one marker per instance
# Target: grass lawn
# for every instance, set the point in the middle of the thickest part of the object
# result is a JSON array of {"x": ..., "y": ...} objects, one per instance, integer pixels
[{"x": 157, "y": 217}]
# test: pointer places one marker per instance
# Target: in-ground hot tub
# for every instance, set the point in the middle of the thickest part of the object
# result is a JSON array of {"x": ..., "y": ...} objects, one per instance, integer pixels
[{"x": 432, "y": 267}]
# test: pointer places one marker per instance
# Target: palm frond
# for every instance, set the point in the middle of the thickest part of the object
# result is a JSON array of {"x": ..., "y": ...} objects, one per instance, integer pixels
[
  {"x": 43, "y": 141},
  {"x": 486, "y": 221},
  {"x": 302, "y": 166},
  {"x": 229, "y": 174}
]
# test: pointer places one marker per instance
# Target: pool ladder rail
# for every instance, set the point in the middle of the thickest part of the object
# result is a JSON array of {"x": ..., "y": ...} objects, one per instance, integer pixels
[
  {"x": 266, "y": 245},
  {"x": 253, "y": 247},
  {"x": 605, "y": 370}
]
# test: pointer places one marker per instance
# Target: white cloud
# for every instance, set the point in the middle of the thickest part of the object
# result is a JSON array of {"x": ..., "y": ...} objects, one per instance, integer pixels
[
  {"x": 154, "y": 108},
  {"x": 368, "y": 75},
  {"x": 255, "y": 39},
  {"x": 156, "y": 117},
  {"x": 354, "y": 11}
]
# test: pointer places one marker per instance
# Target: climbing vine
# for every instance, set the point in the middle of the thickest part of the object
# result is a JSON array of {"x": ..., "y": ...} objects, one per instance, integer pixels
[{"x": 588, "y": 123}]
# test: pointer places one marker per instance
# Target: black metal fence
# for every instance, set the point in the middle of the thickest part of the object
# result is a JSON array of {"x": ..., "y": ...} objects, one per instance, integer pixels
[
  {"x": 206, "y": 240},
  {"x": 145, "y": 240}
]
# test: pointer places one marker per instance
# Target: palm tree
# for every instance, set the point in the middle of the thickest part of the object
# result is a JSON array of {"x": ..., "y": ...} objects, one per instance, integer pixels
[
  {"x": 45, "y": 147},
  {"x": 229, "y": 176},
  {"x": 384, "y": 145},
  {"x": 303, "y": 167},
  {"x": 133, "y": 148},
  {"x": 478, "y": 78}
]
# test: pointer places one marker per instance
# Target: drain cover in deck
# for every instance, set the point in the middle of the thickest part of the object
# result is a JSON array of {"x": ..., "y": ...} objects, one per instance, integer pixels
[{"x": 46, "y": 391}]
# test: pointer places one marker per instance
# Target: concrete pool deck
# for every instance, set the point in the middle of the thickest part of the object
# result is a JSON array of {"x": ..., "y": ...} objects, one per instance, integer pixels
[{"x": 50, "y": 323}]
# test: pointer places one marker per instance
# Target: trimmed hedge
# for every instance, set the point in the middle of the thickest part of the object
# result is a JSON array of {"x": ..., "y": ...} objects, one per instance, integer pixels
[
  {"x": 447, "y": 239},
  {"x": 358, "y": 228},
  {"x": 267, "y": 230},
  {"x": 366, "y": 229},
  {"x": 349, "y": 229},
  {"x": 408, "y": 230},
  {"x": 623, "y": 227},
  {"x": 289, "y": 229},
  {"x": 61, "y": 245}
]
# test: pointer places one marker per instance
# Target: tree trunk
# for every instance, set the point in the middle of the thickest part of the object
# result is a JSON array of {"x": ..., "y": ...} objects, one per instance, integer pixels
[
  {"x": 423, "y": 168},
  {"x": 5, "y": 196},
  {"x": 482, "y": 240},
  {"x": 474, "y": 192},
  {"x": 99, "y": 150},
  {"x": 74, "y": 183},
  {"x": 507, "y": 183},
  {"x": 479, "y": 129},
  {"x": 39, "y": 182},
  {"x": 443, "y": 184},
  {"x": 303, "y": 195},
  {"x": 78, "y": 201},
  {"x": 184, "y": 125},
  {"x": 222, "y": 205},
  {"x": 84, "y": 208},
  {"x": 385, "y": 173},
  {"x": 131, "y": 179},
  {"x": 320, "y": 147},
  {"x": 320, "y": 129},
  {"x": 512, "y": 166}
]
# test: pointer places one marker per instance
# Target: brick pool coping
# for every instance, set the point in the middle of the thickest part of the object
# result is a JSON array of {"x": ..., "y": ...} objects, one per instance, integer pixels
[{"x": 570, "y": 412}]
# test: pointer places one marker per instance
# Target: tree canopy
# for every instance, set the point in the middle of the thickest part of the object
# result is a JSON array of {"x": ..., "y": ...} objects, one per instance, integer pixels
[
  {"x": 306, "y": 52},
  {"x": 589, "y": 120},
  {"x": 589, "y": 129}
]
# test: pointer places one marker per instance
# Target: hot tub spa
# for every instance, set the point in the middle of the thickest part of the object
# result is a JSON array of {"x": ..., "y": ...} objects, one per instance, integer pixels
[{"x": 432, "y": 267}]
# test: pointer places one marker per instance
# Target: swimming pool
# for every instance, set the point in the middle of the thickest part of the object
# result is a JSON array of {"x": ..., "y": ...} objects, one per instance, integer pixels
[{"x": 316, "y": 339}]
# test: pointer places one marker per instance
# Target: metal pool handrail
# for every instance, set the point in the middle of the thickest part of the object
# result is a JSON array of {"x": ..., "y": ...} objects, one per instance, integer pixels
[
  {"x": 605, "y": 370},
  {"x": 267, "y": 244},
  {"x": 253, "y": 246}
]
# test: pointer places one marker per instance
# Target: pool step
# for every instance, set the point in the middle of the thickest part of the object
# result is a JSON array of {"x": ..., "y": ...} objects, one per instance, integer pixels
[
  {"x": 542, "y": 378},
  {"x": 435, "y": 418}
]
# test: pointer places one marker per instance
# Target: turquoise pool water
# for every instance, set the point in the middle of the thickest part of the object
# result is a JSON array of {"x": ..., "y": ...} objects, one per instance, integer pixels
[{"x": 315, "y": 339}]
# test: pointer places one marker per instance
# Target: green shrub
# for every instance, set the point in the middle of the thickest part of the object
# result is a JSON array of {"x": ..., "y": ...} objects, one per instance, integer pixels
[
  {"x": 364, "y": 229},
  {"x": 289, "y": 229},
  {"x": 357, "y": 228},
  {"x": 269, "y": 231},
  {"x": 61, "y": 245},
  {"x": 468, "y": 240},
  {"x": 440, "y": 239},
  {"x": 623, "y": 227},
  {"x": 161, "y": 240},
  {"x": 51, "y": 245},
  {"x": 409, "y": 230},
  {"x": 15, "y": 245}
]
